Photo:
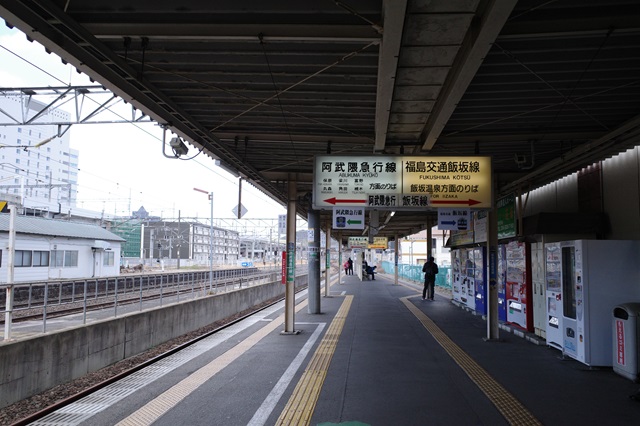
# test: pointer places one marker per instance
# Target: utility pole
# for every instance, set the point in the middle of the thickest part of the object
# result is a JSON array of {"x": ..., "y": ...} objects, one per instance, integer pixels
[
  {"x": 210, "y": 194},
  {"x": 8, "y": 314},
  {"x": 179, "y": 241}
]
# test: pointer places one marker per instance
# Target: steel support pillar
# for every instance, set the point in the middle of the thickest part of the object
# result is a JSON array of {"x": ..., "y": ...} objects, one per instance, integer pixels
[
  {"x": 290, "y": 295},
  {"x": 395, "y": 259},
  {"x": 328, "y": 266},
  {"x": 314, "y": 261},
  {"x": 492, "y": 266}
]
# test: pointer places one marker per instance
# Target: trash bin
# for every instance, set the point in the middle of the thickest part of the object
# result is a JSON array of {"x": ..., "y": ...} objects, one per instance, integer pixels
[{"x": 626, "y": 337}]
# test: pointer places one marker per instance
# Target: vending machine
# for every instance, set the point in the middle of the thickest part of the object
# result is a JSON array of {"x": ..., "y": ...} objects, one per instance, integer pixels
[
  {"x": 501, "y": 278},
  {"x": 585, "y": 280},
  {"x": 480, "y": 279},
  {"x": 514, "y": 279},
  {"x": 468, "y": 287},
  {"x": 456, "y": 275}
]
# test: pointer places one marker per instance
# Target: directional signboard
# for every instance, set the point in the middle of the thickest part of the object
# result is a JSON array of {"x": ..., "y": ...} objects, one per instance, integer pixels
[
  {"x": 454, "y": 219},
  {"x": 348, "y": 218},
  {"x": 358, "y": 242},
  {"x": 402, "y": 182},
  {"x": 379, "y": 243}
]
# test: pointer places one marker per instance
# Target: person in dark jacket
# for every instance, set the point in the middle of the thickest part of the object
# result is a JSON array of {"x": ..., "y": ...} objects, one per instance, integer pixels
[{"x": 430, "y": 270}]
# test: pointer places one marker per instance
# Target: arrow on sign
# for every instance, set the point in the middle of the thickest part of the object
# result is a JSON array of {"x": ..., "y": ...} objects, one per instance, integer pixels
[
  {"x": 464, "y": 202},
  {"x": 353, "y": 222},
  {"x": 446, "y": 222},
  {"x": 335, "y": 201}
]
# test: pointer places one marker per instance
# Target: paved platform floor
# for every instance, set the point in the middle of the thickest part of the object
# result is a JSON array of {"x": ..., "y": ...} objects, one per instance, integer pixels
[{"x": 377, "y": 355}]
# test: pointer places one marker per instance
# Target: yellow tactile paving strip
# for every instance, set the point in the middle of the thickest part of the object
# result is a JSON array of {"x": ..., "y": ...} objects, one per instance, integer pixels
[
  {"x": 512, "y": 410},
  {"x": 299, "y": 409},
  {"x": 155, "y": 408}
]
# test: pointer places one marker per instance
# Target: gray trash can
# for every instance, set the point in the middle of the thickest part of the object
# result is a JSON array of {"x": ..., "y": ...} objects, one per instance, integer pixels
[{"x": 626, "y": 337}]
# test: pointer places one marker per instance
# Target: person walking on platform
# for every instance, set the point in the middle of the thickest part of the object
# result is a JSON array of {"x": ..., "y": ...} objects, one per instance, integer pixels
[
  {"x": 346, "y": 268},
  {"x": 430, "y": 270},
  {"x": 350, "y": 262}
]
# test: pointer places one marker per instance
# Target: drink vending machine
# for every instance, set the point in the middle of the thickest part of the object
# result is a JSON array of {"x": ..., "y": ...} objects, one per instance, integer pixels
[
  {"x": 468, "y": 287},
  {"x": 480, "y": 279},
  {"x": 462, "y": 281},
  {"x": 514, "y": 281},
  {"x": 456, "y": 275},
  {"x": 585, "y": 281}
]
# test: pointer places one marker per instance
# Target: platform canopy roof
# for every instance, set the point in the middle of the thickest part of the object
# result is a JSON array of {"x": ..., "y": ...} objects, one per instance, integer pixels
[{"x": 543, "y": 87}]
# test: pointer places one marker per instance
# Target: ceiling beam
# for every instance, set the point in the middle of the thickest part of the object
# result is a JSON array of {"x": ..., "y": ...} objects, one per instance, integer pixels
[
  {"x": 482, "y": 33},
  {"x": 234, "y": 32},
  {"x": 393, "y": 14},
  {"x": 585, "y": 153}
]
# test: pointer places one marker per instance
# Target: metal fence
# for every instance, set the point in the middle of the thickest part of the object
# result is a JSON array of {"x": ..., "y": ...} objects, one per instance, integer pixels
[
  {"x": 39, "y": 300},
  {"x": 414, "y": 273}
]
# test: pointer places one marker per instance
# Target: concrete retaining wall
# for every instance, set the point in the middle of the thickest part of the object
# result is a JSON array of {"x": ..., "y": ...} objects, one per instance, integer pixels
[{"x": 30, "y": 366}]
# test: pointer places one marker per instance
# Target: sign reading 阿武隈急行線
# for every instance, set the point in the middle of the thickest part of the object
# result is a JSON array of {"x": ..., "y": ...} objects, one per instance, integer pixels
[
  {"x": 357, "y": 242},
  {"x": 348, "y": 218},
  {"x": 402, "y": 182}
]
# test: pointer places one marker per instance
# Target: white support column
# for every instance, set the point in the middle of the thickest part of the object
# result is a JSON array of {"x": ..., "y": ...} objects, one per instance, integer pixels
[
  {"x": 290, "y": 296},
  {"x": 395, "y": 259},
  {"x": 328, "y": 259}
]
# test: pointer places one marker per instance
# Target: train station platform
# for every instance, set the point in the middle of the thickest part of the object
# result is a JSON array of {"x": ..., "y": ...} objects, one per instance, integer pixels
[{"x": 377, "y": 355}]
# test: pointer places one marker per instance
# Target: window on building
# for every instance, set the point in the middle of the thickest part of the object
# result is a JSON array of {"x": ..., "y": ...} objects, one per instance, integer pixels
[
  {"x": 108, "y": 258},
  {"x": 40, "y": 258},
  {"x": 57, "y": 258},
  {"x": 64, "y": 258},
  {"x": 71, "y": 258},
  {"x": 22, "y": 258}
]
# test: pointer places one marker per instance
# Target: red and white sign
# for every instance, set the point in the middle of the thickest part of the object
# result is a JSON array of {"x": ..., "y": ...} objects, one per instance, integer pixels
[{"x": 620, "y": 342}]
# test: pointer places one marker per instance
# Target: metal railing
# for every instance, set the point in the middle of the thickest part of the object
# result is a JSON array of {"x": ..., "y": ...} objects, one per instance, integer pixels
[
  {"x": 414, "y": 273},
  {"x": 39, "y": 301}
]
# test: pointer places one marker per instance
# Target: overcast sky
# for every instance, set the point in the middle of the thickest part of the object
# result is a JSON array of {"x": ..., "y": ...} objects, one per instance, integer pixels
[{"x": 121, "y": 165}]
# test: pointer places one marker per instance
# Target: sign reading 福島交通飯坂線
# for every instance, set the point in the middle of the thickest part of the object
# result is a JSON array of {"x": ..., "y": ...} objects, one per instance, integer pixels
[{"x": 402, "y": 182}]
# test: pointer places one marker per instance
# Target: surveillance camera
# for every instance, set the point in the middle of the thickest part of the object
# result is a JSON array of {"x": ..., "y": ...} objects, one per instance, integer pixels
[{"x": 179, "y": 148}]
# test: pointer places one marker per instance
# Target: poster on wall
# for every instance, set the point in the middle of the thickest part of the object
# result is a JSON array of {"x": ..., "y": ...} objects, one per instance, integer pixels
[
  {"x": 506, "y": 210},
  {"x": 480, "y": 224}
]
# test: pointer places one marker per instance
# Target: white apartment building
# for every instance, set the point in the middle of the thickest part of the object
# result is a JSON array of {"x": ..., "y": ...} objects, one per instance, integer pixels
[
  {"x": 413, "y": 249},
  {"x": 44, "y": 177}
]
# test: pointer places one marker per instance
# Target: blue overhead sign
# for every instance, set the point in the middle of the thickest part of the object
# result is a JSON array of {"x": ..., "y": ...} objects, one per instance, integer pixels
[{"x": 453, "y": 219}]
